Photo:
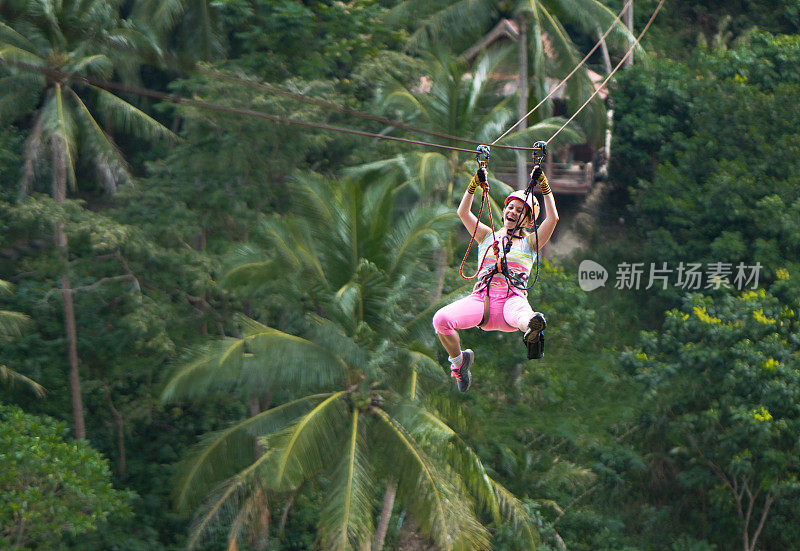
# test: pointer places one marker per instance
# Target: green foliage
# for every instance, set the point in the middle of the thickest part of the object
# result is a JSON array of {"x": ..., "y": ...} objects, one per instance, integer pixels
[
  {"x": 10, "y": 149},
  {"x": 651, "y": 117},
  {"x": 714, "y": 180},
  {"x": 723, "y": 379},
  {"x": 50, "y": 486},
  {"x": 12, "y": 325},
  {"x": 354, "y": 262},
  {"x": 716, "y": 23},
  {"x": 188, "y": 30},
  {"x": 335, "y": 279},
  {"x": 78, "y": 39},
  {"x": 268, "y": 35},
  {"x": 459, "y": 101}
]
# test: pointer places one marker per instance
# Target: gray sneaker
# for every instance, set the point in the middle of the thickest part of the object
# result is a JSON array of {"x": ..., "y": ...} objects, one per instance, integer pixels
[{"x": 461, "y": 373}]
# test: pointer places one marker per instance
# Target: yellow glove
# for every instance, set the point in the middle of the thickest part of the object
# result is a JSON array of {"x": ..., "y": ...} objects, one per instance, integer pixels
[
  {"x": 478, "y": 180},
  {"x": 541, "y": 179}
]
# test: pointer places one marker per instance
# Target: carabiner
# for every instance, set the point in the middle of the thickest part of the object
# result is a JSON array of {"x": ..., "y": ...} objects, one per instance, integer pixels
[
  {"x": 482, "y": 150},
  {"x": 539, "y": 152}
]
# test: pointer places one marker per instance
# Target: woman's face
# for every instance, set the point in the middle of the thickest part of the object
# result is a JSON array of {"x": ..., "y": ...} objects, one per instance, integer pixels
[{"x": 514, "y": 210}]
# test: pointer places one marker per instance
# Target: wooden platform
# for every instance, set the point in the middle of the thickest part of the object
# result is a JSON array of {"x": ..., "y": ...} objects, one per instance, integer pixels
[{"x": 568, "y": 178}]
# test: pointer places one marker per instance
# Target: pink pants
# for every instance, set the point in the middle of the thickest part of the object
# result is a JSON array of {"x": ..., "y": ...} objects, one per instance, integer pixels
[{"x": 505, "y": 314}]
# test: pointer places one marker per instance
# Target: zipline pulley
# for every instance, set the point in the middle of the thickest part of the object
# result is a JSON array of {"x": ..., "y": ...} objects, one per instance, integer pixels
[
  {"x": 539, "y": 152},
  {"x": 482, "y": 155}
]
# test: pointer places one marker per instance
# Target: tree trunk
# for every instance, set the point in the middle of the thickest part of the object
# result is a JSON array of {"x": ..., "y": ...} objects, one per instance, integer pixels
[
  {"x": 254, "y": 408},
  {"x": 386, "y": 513},
  {"x": 522, "y": 109},
  {"x": 120, "y": 423},
  {"x": 628, "y": 17},
  {"x": 60, "y": 195},
  {"x": 517, "y": 382},
  {"x": 440, "y": 260},
  {"x": 604, "y": 50}
]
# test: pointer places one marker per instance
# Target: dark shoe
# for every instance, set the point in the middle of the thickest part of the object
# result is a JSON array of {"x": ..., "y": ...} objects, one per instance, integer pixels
[
  {"x": 461, "y": 373},
  {"x": 534, "y": 336}
]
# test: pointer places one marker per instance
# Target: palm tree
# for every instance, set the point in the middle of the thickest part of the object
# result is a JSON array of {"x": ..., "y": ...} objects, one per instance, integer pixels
[
  {"x": 44, "y": 45},
  {"x": 189, "y": 28},
  {"x": 353, "y": 413},
  {"x": 541, "y": 33},
  {"x": 459, "y": 102},
  {"x": 11, "y": 325}
]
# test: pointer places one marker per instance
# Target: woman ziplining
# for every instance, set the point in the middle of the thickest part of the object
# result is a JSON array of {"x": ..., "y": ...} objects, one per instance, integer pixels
[
  {"x": 519, "y": 251},
  {"x": 501, "y": 304},
  {"x": 498, "y": 301}
]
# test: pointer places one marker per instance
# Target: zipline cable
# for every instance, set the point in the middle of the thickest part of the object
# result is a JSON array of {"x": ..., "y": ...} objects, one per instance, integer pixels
[
  {"x": 345, "y": 110},
  {"x": 390, "y": 122},
  {"x": 171, "y": 98},
  {"x": 566, "y": 78},
  {"x": 611, "y": 74}
]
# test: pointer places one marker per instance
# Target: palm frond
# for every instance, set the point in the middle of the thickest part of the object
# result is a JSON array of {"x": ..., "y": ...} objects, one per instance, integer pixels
[
  {"x": 242, "y": 484},
  {"x": 254, "y": 276},
  {"x": 377, "y": 210},
  {"x": 432, "y": 171},
  {"x": 285, "y": 360},
  {"x": 450, "y": 447},
  {"x": 465, "y": 17},
  {"x": 131, "y": 119},
  {"x": 306, "y": 447},
  {"x": 288, "y": 243},
  {"x": 313, "y": 194},
  {"x": 495, "y": 121},
  {"x": 222, "y": 454},
  {"x": 264, "y": 359},
  {"x": 346, "y": 521},
  {"x": 482, "y": 76},
  {"x": 62, "y": 135},
  {"x": 9, "y": 36},
  {"x": 216, "y": 365},
  {"x": 8, "y": 375},
  {"x": 424, "y": 364},
  {"x": 98, "y": 65},
  {"x": 383, "y": 166},
  {"x": 12, "y": 323},
  {"x": 547, "y": 127},
  {"x": 14, "y": 54},
  {"x": 589, "y": 13},
  {"x": 21, "y": 93},
  {"x": 443, "y": 512},
  {"x": 418, "y": 232},
  {"x": 513, "y": 508},
  {"x": 404, "y": 101},
  {"x": 445, "y": 442},
  {"x": 329, "y": 334},
  {"x": 161, "y": 14}
]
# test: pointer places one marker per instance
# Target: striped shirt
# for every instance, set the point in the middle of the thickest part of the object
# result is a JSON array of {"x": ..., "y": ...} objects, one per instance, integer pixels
[{"x": 519, "y": 259}]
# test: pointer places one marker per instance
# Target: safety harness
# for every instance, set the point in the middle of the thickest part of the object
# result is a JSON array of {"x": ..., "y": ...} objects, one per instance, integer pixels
[{"x": 516, "y": 280}]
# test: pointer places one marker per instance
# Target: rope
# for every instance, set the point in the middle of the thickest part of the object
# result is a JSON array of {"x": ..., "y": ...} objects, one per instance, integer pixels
[
  {"x": 146, "y": 92},
  {"x": 611, "y": 74},
  {"x": 495, "y": 248},
  {"x": 109, "y": 86},
  {"x": 348, "y": 111},
  {"x": 566, "y": 78}
]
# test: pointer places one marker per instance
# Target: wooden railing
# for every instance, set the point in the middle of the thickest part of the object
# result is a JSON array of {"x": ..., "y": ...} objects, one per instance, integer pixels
[{"x": 570, "y": 178}]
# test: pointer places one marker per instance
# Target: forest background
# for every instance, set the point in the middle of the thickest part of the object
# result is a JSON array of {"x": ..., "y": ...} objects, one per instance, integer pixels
[{"x": 216, "y": 328}]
